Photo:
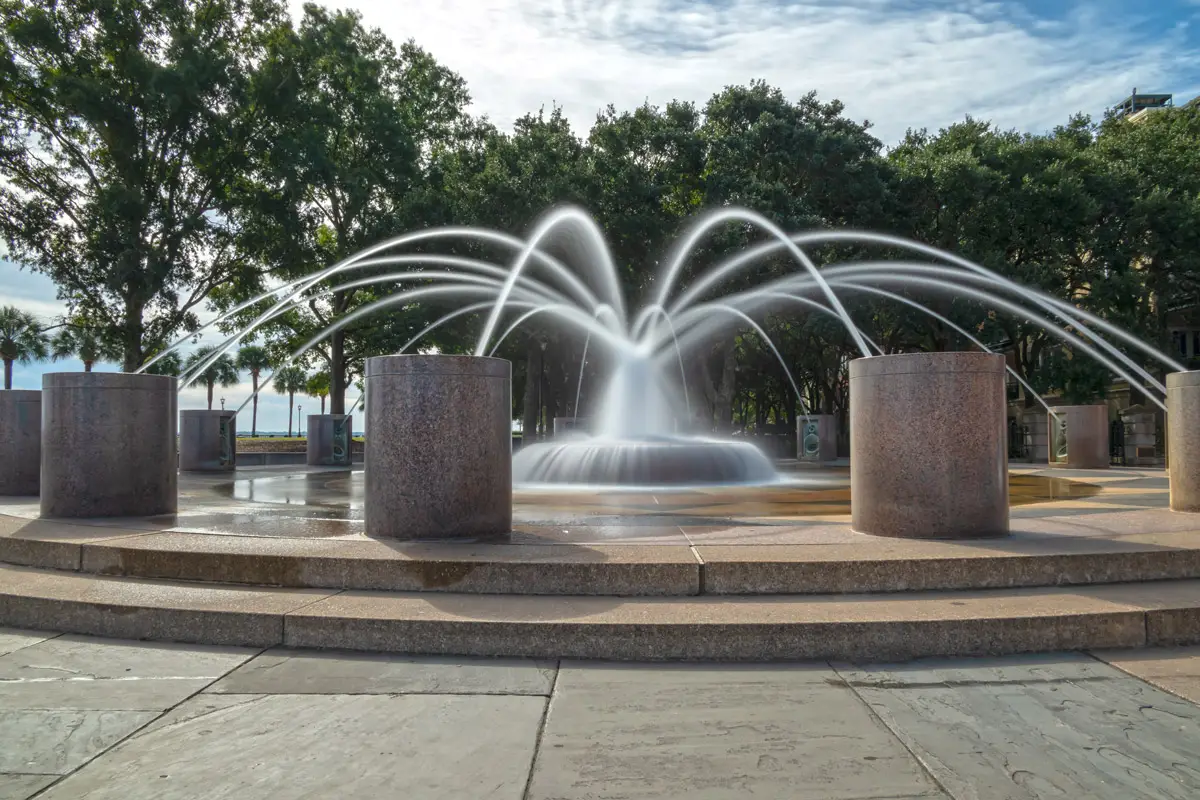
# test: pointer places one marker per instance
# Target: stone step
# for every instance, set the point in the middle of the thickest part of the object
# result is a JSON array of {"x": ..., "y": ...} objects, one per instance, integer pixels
[
  {"x": 864, "y": 564},
  {"x": 857, "y": 627}
]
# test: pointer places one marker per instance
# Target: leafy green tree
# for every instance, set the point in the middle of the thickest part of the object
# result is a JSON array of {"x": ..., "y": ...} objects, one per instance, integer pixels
[
  {"x": 22, "y": 339},
  {"x": 223, "y": 371},
  {"x": 123, "y": 125},
  {"x": 342, "y": 168},
  {"x": 254, "y": 359},
  {"x": 84, "y": 342},
  {"x": 170, "y": 365},
  {"x": 289, "y": 380},
  {"x": 318, "y": 386}
]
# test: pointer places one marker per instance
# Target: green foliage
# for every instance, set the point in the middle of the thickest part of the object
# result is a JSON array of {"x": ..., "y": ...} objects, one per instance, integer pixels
[
  {"x": 83, "y": 341},
  {"x": 123, "y": 129},
  {"x": 22, "y": 340},
  {"x": 222, "y": 371}
]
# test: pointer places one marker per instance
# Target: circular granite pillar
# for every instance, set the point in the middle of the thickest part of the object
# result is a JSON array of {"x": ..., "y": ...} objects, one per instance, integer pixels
[
  {"x": 20, "y": 441},
  {"x": 1183, "y": 439},
  {"x": 108, "y": 445},
  {"x": 439, "y": 456},
  {"x": 928, "y": 446},
  {"x": 1078, "y": 437},
  {"x": 330, "y": 440},
  {"x": 207, "y": 440}
]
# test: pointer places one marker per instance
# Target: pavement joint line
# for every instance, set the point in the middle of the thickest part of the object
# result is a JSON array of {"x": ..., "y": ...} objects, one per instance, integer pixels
[
  {"x": 136, "y": 731},
  {"x": 541, "y": 731},
  {"x": 283, "y": 617},
  {"x": 895, "y": 734}
]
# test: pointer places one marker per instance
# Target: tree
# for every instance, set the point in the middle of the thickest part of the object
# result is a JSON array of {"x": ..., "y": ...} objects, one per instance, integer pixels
[
  {"x": 170, "y": 365},
  {"x": 222, "y": 371},
  {"x": 289, "y": 380},
  {"x": 341, "y": 168},
  {"x": 84, "y": 342},
  {"x": 254, "y": 359},
  {"x": 21, "y": 339},
  {"x": 318, "y": 386},
  {"x": 123, "y": 125}
]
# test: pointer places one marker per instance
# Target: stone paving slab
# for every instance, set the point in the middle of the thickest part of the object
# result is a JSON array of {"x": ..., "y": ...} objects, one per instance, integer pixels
[
  {"x": 85, "y": 673},
  {"x": 289, "y": 747},
  {"x": 13, "y": 639},
  {"x": 1038, "y": 727},
  {"x": 21, "y": 787},
  {"x": 282, "y": 671},
  {"x": 57, "y": 742},
  {"x": 1176, "y": 669},
  {"x": 716, "y": 733}
]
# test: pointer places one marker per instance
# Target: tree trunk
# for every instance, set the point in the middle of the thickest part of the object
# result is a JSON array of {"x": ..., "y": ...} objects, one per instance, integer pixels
[
  {"x": 291, "y": 407},
  {"x": 529, "y": 409},
  {"x": 87, "y": 366},
  {"x": 322, "y": 405},
  {"x": 254, "y": 412},
  {"x": 8, "y": 374},
  {"x": 133, "y": 333},
  {"x": 210, "y": 394}
]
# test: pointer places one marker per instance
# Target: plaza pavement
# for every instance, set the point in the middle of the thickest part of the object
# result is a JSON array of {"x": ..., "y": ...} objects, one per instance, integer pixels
[{"x": 82, "y": 717}]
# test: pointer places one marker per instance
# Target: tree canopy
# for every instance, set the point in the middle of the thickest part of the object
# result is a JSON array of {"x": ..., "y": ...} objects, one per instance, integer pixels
[{"x": 160, "y": 160}]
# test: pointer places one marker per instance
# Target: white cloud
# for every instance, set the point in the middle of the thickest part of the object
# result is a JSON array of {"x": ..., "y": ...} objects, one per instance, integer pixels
[{"x": 899, "y": 64}]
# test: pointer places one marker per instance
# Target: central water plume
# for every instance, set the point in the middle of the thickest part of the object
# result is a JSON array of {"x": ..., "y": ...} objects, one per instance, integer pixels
[{"x": 642, "y": 429}]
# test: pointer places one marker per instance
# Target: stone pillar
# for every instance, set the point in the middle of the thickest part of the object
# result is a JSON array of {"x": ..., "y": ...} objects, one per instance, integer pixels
[
  {"x": 929, "y": 445},
  {"x": 564, "y": 426},
  {"x": 1036, "y": 436},
  {"x": 207, "y": 440},
  {"x": 330, "y": 440},
  {"x": 816, "y": 438},
  {"x": 108, "y": 445},
  {"x": 1140, "y": 423},
  {"x": 439, "y": 461},
  {"x": 20, "y": 442},
  {"x": 1183, "y": 439},
  {"x": 1079, "y": 437}
]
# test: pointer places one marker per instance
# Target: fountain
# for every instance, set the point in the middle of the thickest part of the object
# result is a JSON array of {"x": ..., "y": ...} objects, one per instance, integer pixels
[
  {"x": 928, "y": 460},
  {"x": 638, "y": 433}
]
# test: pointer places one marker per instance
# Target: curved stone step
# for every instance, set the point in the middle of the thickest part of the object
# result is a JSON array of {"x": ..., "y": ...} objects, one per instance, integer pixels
[
  {"x": 896, "y": 626},
  {"x": 869, "y": 564}
]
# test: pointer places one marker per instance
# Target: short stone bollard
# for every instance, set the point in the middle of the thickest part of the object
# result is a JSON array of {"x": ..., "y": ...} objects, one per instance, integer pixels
[
  {"x": 1078, "y": 437},
  {"x": 439, "y": 457},
  {"x": 330, "y": 440},
  {"x": 20, "y": 442},
  {"x": 109, "y": 445},
  {"x": 1183, "y": 439},
  {"x": 816, "y": 438},
  {"x": 207, "y": 440},
  {"x": 928, "y": 446}
]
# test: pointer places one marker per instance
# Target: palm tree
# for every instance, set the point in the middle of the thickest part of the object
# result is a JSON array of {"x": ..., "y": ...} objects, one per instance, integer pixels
[
  {"x": 222, "y": 371},
  {"x": 254, "y": 359},
  {"x": 81, "y": 341},
  {"x": 21, "y": 339},
  {"x": 289, "y": 380},
  {"x": 318, "y": 386}
]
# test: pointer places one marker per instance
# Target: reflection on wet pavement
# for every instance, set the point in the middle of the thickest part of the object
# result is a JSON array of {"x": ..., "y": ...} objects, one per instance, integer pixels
[{"x": 338, "y": 494}]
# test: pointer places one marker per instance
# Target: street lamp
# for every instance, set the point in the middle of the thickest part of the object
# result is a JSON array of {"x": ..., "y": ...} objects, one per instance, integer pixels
[{"x": 222, "y": 403}]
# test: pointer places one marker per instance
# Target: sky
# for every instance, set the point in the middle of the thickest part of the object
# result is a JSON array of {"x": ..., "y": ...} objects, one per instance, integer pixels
[{"x": 900, "y": 64}]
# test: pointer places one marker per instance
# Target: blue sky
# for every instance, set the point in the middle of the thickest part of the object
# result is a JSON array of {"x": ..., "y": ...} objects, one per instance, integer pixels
[{"x": 900, "y": 64}]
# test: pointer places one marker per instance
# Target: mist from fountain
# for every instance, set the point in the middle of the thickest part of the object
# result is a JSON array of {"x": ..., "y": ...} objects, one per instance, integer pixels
[{"x": 640, "y": 434}]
